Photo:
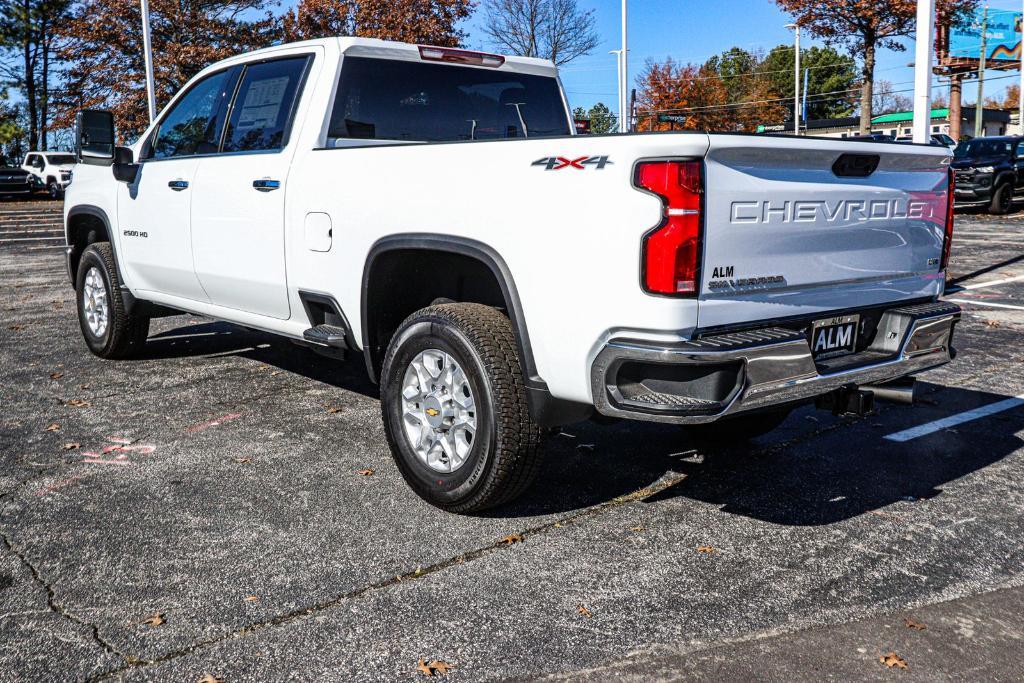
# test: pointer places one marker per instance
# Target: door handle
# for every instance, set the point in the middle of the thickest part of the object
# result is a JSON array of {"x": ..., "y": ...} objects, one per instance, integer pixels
[
  {"x": 178, "y": 185},
  {"x": 266, "y": 184}
]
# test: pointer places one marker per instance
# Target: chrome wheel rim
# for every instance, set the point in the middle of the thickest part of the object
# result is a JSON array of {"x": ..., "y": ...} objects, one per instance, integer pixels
[
  {"x": 95, "y": 305},
  {"x": 438, "y": 411}
]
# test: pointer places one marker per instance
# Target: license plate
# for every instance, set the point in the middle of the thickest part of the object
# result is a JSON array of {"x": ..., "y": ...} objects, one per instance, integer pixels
[{"x": 833, "y": 337}]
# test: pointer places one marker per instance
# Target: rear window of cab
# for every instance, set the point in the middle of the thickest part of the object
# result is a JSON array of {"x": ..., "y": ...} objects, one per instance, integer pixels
[{"x": 381, "y": 99}]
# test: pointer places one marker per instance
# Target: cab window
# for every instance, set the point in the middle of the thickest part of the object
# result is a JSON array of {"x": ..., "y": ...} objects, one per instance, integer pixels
[
  {"x": 193, "y": 124},
  {"x": 263, "y": 108}
]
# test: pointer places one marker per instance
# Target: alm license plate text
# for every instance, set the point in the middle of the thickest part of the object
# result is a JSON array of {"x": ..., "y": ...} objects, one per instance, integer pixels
[{"x": 833, "y": 337}]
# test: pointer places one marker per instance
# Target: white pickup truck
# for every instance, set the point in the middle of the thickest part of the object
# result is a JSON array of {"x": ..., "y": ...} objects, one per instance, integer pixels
[
  {"x": 432, "y": 209},
  {"x": 52, "y": 170}
]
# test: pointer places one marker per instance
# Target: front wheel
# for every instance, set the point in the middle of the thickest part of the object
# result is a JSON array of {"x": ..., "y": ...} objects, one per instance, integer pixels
[
  {"x": 109, "y": 331},
  {"x": 1002, "y": 199},
  {"x": 454, "y": 408},
  {"x": 53, "y": 190}
]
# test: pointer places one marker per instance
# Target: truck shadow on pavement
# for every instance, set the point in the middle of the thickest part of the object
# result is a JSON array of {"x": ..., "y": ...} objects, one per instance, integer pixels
[{"x": 809, "y": 472}]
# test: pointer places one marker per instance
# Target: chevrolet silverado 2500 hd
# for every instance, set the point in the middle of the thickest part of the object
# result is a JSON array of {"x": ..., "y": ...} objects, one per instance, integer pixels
[{"x": 432, "y": 209}]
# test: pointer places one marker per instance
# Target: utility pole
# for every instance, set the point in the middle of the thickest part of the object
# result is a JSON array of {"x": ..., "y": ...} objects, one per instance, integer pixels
[
  {"x": 1020, "y": 100},
  {"x": 796, "y": 79},
  {"x": 624, "y": 78},
  {"x": 979, "y": 109},
  {"x": 147, "y": 46},
  {"x": 925, "y": 37}
]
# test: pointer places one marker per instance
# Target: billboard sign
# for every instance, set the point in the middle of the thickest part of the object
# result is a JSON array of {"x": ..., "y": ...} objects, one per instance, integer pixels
[{"x": 1002, "y": 37}]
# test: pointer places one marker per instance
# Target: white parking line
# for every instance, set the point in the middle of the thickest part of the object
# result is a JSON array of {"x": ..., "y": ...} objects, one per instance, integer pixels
[
  {"x": 993, "y": 283},
  {"x": 953, "y": 420},
  {"x": 990, "y": 304}
]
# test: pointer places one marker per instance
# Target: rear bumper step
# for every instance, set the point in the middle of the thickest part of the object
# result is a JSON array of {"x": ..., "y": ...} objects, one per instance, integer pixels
[{"x": 713, "y": 377}]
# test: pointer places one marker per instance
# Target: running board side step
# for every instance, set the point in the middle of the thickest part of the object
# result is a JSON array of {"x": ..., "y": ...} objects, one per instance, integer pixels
[{"x": 327, "y": 335}]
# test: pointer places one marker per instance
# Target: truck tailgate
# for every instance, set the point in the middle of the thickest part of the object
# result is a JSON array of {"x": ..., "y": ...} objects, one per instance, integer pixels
[{"x": 794, "y": 227}]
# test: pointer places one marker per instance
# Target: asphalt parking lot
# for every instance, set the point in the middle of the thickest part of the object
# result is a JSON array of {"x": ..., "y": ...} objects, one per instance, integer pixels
[{"x": 227, "y": 505}]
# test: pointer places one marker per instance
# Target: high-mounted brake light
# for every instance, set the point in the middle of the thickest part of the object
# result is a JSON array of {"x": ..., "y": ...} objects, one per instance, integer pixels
[
  {"x": 450, "y": 54},
  {"x": 671, "y": 251},
  {"x": 947, "y": 243}
]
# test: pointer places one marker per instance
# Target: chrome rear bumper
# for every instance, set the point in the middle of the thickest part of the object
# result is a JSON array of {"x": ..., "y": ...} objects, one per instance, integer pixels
[{"x": 709, "y": 378}]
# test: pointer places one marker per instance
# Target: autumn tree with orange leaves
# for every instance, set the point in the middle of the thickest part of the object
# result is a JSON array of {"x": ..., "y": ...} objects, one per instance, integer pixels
[
  {"x": 863, "y": 26},
  {"x": 102, "y": 47},
  {"x": 102, "y": 42},
  {"x": 432, "y": 22},
  {"x": 672, "y": 96}
]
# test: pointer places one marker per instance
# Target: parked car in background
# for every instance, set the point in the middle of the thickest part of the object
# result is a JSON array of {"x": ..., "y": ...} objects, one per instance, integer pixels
[
  {"x": 16, "y": 181},
  {"x": 989, "y": 171},
  {"x": 937, "y": 139},
  {"x": 51, "y": 169}
]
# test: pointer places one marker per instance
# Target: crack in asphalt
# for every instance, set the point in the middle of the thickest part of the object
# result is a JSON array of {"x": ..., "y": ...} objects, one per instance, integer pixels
[
  {"x": 53, "y": 606},
  {"x": 667, "y": 481}
]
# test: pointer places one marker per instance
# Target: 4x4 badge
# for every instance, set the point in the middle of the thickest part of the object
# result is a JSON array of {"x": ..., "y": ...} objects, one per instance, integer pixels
[{"x": 580, "y": 163}]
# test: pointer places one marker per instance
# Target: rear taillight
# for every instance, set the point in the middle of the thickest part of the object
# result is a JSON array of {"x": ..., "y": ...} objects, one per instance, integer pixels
[
  {"x": 947, "y": 243},
  {"x": 455, "y": 56},
  {"x": 671, "y": 251}
]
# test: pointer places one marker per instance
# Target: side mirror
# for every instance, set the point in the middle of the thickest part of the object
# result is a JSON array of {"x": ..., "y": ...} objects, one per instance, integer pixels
[
  {"x": 125, "y": 168},
  {"x": 94, "y": 137}
]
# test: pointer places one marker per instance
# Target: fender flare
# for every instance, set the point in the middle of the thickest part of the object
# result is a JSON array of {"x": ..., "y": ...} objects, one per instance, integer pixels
[
  {"x": 95, "y": 212},
  {"x": 545, "y": 409},
  {"x": 465, "y": 247}
]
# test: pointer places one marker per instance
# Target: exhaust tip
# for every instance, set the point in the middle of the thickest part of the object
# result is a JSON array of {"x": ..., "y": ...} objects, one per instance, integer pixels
[{"x": 899, "y": 391}]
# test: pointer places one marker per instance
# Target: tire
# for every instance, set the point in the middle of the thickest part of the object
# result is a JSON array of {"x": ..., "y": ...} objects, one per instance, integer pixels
[
  {"x": 115, "y": 334},
  {"x": 740, "y": 429},
  {"x": 501, "y": 453},
  {"x": 53, "y": 189},
  {"x": 1002, "y": 199}
]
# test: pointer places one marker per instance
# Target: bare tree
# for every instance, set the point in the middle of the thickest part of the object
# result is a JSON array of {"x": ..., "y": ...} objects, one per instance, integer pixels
[{"x": 550, "y": 29}]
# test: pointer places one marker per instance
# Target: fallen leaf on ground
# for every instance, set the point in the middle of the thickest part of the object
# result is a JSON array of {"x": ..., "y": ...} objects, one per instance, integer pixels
[
  {"x": 155, "y": 619},
  {"x": 335, "y": 409},
  {"x": 914, "y": 624},
  {"x": 209, "y": 678},
  {"x": 706, "y": 549},
  {"x": 992, "y": 323},
  {"x": 72, "y": 445},
  {"x": 251, "y": 598},
  {"x": 275, "y": 373},
  {"x": 582, "y": 609},
  {"x": 512, "y": 538},
  {"x": 244, "y": 460},
  {"x": 16, "y": 328},
  {"x": 366, "y": 473},
  {"x": 52, "y": 427},
  {"x": 891, "y": 659},
  {"x": 637, "y": 529},
  {"x": 558, "y": 525},
  {"x": 84, "y": 387},
  {"x": 77, "y": 403},
  {"x": 434, "y": 666},
  {"x": 56, "y": 375}
]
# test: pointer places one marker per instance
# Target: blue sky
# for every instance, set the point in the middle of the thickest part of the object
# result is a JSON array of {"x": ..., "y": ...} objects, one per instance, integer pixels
[{"x": 692, "y": 31}]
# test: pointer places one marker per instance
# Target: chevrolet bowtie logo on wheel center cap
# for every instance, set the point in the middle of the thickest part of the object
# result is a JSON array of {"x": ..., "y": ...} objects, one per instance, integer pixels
[{"x": 432, "y": 412}]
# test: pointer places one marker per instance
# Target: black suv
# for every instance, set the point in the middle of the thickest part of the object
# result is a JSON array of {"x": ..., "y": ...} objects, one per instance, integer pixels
[{"x": 988, "y": 172}]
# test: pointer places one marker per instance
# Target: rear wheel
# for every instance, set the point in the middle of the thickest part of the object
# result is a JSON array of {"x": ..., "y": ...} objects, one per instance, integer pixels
[
  {"x": 109, "y": 331},
  {"x": 454, "y": 408},
  {"x": 741, "y": 428},
  {"x": 1002, "y": 199}
]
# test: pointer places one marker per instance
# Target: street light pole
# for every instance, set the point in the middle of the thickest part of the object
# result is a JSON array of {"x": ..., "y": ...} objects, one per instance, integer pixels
[
  {"x": 1020, "y": 94},
  {"x": 925, "y": 37},
  {"x": 624, "y": 78},
  {"x": 796, "y": 78},
  {"x": 979, "y": 108},
  {"x": 147, "y": 46}
]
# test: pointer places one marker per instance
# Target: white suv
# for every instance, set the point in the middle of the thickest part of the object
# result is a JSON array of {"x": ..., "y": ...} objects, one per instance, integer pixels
[{"x": 52, "y": 169}]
